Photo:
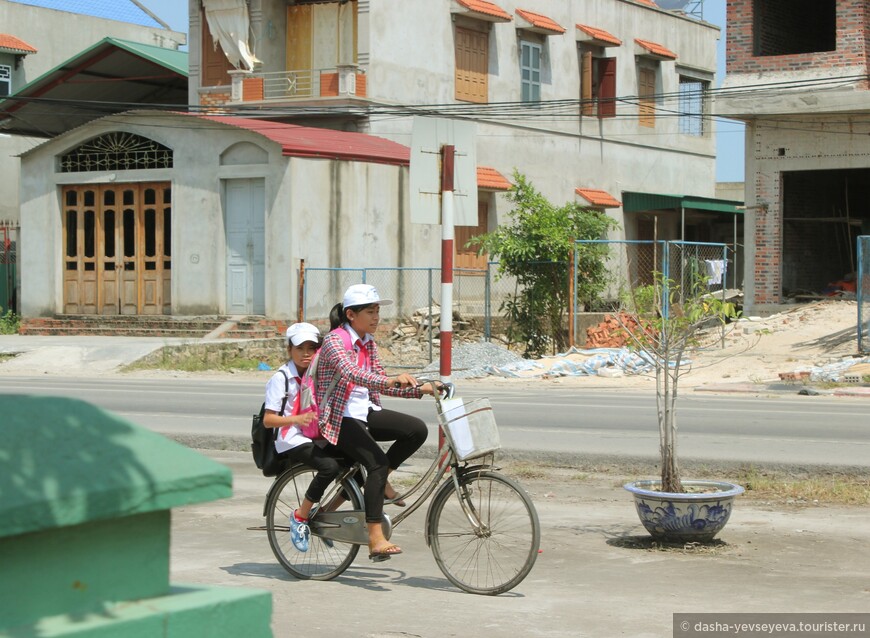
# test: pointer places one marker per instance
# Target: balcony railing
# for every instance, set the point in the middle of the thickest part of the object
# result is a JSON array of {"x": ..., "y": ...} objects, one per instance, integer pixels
[{"x": 305, "y": 84}]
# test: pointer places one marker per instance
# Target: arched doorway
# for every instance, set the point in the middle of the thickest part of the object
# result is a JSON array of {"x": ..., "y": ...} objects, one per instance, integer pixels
[{"x": 117, "y": 237}]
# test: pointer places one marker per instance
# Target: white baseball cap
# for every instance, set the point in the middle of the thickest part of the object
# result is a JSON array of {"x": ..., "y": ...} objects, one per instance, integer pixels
[
  {"x": 299, "y": 333},
  {"x": 363, "y": 295}
]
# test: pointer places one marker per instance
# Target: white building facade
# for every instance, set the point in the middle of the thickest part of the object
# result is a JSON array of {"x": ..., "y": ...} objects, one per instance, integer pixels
[{"x": 605, "y": 96}]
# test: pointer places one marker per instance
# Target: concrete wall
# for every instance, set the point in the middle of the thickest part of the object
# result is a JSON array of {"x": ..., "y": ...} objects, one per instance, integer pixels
[{"x": 330, "y": 213}]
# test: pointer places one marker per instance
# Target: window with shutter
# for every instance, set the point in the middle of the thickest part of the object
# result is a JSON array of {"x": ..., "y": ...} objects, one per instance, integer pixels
[
  {"x": 5, "y": 80},
  {"x": 471, "y": 65},
  {"x": 647, "y": 94},
  {"x": 530, "y": 71},
  {"x": 597, "y": 85},
  {"x": 215, "y": 66}
]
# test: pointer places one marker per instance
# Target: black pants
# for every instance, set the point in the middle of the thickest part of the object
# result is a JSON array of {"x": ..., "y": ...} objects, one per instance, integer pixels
[
  {"x": 358, "y": 440},
  {"x": 321, "y": 459}
]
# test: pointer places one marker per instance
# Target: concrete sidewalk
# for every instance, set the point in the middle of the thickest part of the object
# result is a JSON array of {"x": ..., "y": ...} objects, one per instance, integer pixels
[{"x": 596, "y": 575}]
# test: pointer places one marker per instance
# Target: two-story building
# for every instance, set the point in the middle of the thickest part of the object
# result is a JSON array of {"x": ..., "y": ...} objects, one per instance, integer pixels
[
  {"x": 599, "y": 101},
  {"x": 797, "y": 75}
]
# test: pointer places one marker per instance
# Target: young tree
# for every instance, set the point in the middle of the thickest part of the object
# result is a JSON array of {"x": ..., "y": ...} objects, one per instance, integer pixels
[
  {"x": 535, "y": 249},
  {"x": 666, "y": 322}
]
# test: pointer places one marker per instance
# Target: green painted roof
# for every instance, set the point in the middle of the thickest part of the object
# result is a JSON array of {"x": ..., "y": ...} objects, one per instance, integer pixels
[
  {"x": 64, "y": 462},
  {"x": 172, "y": 59},
  {"x": 633, "y": 202}
]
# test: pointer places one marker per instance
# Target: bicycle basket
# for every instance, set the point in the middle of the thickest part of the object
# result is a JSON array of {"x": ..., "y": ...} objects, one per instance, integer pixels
[{"x": 469, "y": 427}]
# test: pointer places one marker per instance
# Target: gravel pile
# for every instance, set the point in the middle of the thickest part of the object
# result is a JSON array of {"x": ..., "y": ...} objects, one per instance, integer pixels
[{"x": 471, "y": 360}]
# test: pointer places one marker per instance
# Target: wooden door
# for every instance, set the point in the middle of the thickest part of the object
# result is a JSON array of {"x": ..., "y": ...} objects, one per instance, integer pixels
[
  {"x": 468, "y": 257},
  {"x": 117, "y": 249}
]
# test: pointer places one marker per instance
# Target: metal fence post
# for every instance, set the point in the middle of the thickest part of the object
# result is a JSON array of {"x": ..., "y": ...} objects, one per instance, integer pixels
[
  {"x": 666, "y": 267},
  {"x": 487, "y": 305},
  {"x": 862, "y": 290},
  {"x": 431, "y": 357}
]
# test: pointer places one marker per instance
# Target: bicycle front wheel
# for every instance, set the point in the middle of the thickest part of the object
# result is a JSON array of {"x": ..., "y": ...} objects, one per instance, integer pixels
[
  {"x": 324, "y": 559},
  {"x": 485, "y": 537}
]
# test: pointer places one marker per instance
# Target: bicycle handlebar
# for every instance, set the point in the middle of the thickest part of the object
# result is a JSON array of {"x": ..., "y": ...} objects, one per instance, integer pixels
[{"x": 447, "y": 390}]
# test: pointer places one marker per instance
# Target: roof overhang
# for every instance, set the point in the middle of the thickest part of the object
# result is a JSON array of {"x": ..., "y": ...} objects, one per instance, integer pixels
[
  {"x": 106, "y": 78},
  {"x": 633, "y": 202},
  {"x": 489, "y": 179},
  {"x": 537, "y": 23},
  {"x": 653, "y": 50},
  {"x": 593, "y": 35},
  {"x": 480, "y": 10},
  {"x": 598, "y": 198}
]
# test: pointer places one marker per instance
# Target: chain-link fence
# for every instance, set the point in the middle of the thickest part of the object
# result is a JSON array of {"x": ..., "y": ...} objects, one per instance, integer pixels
[
  {"x": 635, "y": 264},
  {"x": 416, "y": 293},
  {"x": 863, "y": 293}
]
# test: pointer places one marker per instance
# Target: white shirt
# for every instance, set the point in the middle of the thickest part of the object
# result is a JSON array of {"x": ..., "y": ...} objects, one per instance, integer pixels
[
  {"x": 275, "y": 396},
  {"x": 358, "y": 404}
]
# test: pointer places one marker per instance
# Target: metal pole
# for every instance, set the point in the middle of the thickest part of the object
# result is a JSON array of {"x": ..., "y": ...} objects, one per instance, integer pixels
[
  {"x": 431, "y": 358},
  {"x": 487, "y": 306},
  {"x": 447, "y": 236},
  {"x": 300, "y": 311},
  {"x": 572, "y": 292}
]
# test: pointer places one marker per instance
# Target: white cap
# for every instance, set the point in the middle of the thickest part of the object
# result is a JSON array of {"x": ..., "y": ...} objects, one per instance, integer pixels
[
  {"x": 299, "y": 333},
  {"x": 363, "y": 295}
]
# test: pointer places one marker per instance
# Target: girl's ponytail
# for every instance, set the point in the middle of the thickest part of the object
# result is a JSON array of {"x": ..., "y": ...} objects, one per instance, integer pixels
[{"x": 336, "y": 316}]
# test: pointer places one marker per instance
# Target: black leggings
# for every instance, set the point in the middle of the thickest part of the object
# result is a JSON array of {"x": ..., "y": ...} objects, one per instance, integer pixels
[
  {"x": 360, "y": 443},
  {"x": 320, "y": 459}
]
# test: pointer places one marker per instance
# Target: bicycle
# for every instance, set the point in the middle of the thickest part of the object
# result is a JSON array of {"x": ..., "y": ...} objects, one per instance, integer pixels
[{"x": 481, "y": 526}]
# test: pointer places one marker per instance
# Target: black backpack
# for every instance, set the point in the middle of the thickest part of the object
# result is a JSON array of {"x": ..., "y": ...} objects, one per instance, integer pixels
[{"x": 263, "y": 439}]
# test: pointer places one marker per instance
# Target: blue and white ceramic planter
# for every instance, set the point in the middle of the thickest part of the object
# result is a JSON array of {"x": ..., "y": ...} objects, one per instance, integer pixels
[{"x": 695, "y": 516}]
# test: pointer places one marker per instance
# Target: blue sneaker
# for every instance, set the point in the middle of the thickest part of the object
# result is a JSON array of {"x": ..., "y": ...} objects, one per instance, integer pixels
[{"x": 299, "y": 533}]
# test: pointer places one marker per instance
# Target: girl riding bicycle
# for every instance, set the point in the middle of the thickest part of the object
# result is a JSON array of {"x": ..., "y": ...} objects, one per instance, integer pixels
[
  {"x": 297, "y": 436},
  {"x": 352, "y": 418}
]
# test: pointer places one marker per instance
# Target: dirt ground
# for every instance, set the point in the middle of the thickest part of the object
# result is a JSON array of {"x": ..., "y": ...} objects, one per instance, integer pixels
[{"x": 755, "y": 349}]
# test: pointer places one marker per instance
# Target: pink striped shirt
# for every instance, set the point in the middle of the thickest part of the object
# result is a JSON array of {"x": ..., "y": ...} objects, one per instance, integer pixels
[{"x": 334, "y": 359}]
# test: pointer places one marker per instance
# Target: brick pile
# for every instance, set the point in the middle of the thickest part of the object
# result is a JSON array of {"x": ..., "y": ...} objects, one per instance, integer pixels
[{"x": 610, "y": 333}]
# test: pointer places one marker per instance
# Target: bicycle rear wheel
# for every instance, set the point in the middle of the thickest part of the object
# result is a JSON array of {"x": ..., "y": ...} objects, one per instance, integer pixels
[
  {"x": 496, "y": 557},
  {"x": 320, "y": 562}
]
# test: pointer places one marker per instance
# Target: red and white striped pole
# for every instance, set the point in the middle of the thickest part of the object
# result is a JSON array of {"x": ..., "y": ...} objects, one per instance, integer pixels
[{"x": 447, "y": 236}]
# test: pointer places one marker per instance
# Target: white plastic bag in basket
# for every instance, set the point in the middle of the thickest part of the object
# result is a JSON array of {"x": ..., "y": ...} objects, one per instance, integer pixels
[{"x": 454, "y": 409}]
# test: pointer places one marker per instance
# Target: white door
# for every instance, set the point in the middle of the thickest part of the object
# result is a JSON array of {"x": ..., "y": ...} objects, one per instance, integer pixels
[{"x": 246, "y": 246}]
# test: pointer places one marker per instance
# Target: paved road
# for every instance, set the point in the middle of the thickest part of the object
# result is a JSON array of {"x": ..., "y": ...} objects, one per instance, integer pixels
[{"x": 569, "y": 421}]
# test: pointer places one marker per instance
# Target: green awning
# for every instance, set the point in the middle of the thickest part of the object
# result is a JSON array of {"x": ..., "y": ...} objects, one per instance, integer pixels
[{"x": 633, "y": 202}]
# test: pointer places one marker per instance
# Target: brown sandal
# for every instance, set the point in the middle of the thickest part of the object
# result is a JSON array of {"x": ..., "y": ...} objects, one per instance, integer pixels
[
  {"x": 395, "y": 499},
  {"x": 384, "y": 554}
]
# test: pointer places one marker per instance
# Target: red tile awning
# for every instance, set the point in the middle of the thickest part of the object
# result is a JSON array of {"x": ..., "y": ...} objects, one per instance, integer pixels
[
  {"x": 307, "y": 141},
  {"x": 596, "y": 36},
  {"x": 538, "y": 23},
  {"x": 490, "y": 179},
  {"x": 598, "y": 198},
  {"x": 655, "y": 50},
  {"x": 11, "y": 44},
  {"x": 481, "y": 9}
]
